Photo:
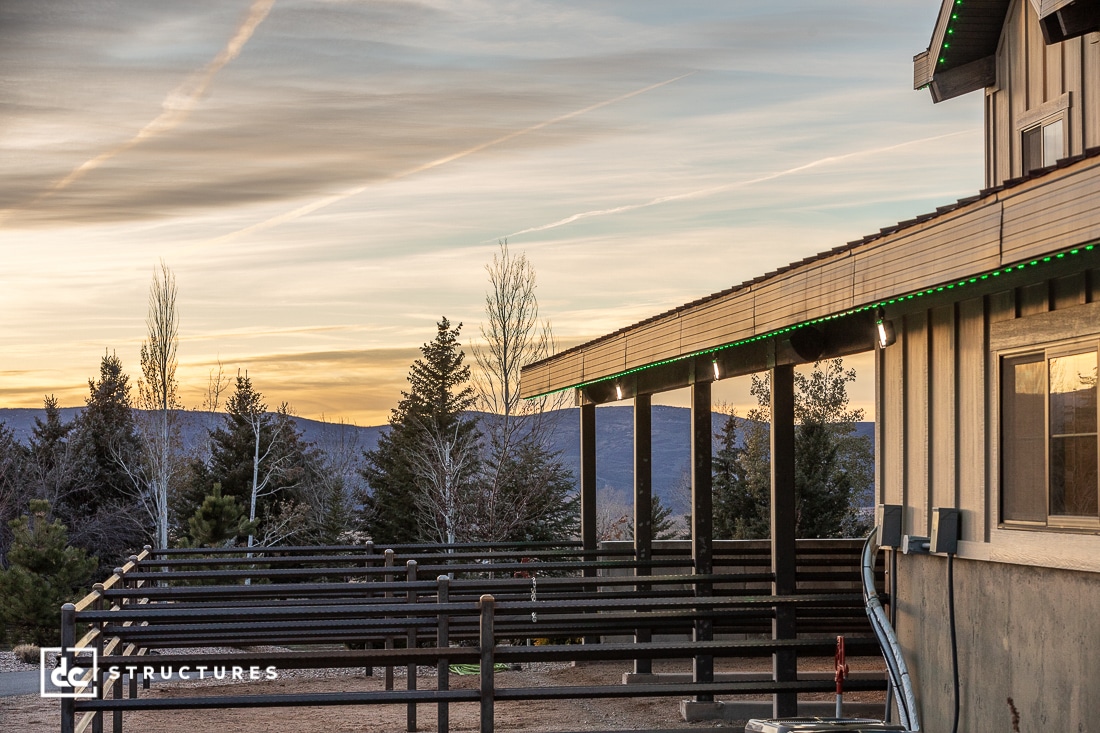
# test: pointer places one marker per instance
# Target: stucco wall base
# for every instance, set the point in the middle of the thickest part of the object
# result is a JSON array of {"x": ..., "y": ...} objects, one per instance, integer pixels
[{"x": 1026, "y": 634}]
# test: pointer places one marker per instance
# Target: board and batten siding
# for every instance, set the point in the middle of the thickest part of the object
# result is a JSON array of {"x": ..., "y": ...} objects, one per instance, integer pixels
[
  {"x": 1034, "y": 82},
  {"x": 1039, "y": 216},
  {"x": 937, "y": 414}
]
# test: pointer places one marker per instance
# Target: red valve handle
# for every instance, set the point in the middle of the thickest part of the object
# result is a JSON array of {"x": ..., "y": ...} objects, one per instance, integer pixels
[{"x": 841, "y": 666}]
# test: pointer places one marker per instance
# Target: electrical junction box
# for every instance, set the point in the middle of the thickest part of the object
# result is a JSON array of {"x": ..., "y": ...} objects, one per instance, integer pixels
[
  {"x": 819, "y": 725},
  {"x": 888, "y": 518},
  {"x": 945, "y": 531}
]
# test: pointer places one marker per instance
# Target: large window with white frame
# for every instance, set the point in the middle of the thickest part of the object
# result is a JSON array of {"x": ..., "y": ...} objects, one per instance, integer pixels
[{"x": 1049, "y": 449}]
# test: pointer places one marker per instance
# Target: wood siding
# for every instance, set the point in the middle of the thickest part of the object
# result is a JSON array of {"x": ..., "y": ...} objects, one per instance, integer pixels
[
  {"x": 1034, "y": 81},
  {"x": 1043, "y": 215},
  {"x": 938, "y": 414}
]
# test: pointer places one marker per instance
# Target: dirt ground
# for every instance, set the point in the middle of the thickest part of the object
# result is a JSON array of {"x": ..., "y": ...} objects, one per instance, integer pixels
[{"x": 31, "y": 714}]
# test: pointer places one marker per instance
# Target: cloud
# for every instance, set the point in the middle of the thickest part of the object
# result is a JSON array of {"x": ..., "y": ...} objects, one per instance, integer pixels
[{"x": 176, "y": 106}]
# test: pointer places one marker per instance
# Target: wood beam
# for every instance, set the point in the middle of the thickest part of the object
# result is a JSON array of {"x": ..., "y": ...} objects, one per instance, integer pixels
[
  {"x": 643, "y": 506},
  {"x": 784, "y": 663},
  {"x": 589, "y": 539},
  {"x": 702, "y": 543},
  {"x": 588, "y": 478}
]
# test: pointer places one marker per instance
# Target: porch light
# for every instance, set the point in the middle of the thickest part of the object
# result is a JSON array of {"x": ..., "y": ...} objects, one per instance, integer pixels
[
  {"x": 884, "y": 329},
  {"x": 717, "y": 376},
  {"x": 618, "y": 392}
]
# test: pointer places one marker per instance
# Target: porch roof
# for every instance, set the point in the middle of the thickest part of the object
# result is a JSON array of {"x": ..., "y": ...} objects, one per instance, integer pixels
[{"x": 745, "y": 328}]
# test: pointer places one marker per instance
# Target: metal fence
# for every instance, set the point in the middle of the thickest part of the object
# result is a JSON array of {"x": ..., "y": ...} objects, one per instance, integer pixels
[{"x": 426, "y": 605}]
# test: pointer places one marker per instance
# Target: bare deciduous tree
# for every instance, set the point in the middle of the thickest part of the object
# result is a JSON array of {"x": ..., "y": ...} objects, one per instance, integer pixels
[
  {"x": 444, "y": 465},
  {"x": 157, "y": 395},
  {"x": 513, "y": 500}
]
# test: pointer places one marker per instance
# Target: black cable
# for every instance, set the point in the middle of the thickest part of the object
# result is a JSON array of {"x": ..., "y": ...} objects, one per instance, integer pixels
[{"x": 954, "y": 640}]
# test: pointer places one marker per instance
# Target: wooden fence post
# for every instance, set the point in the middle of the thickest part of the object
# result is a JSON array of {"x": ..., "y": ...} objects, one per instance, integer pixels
[
  {"x": 443, "y": 641},
  {"x": 410, "y": 643},
  {"x": 487, "y": 641},
  {"x": 68, "y": 638},
  {"x": 389, "y": 639},
  {"x": 99, "y": 676}
]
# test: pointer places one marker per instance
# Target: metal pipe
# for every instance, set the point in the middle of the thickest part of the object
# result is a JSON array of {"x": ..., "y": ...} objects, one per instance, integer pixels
[{"x": 891, "y": 651}]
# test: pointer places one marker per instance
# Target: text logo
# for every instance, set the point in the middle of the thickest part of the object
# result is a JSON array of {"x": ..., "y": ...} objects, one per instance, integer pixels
[{"x": 76, "y": 674}]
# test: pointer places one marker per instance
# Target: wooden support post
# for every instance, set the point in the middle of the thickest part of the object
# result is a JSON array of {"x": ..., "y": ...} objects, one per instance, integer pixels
[
  {"x": 410, "y": 643},
  {"x": 784, "y": 663},
  {"x": 443, "y": 641},
  {"x": 389, "y": 639},
  {"x": 100, "y": 676},
  {"x": 643, "y": 507},
  {"x": 589, "y": 540},
  {"x": 68, "y": 638},
  {"x": 702, "y": 520},
  {"x": 487, "y": 640},
  {"x": 588, "y": 481}
]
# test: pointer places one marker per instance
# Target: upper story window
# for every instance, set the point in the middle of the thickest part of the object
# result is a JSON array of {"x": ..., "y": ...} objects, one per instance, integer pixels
[
  {"x": 1043, "y": 144},
  {"x": 1049, "y": 443}
]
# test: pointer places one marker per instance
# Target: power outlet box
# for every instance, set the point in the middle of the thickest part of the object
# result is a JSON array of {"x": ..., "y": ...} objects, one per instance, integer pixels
[
  {"x": 888, "y": 519},
  {"x": 945, "y": 530}
]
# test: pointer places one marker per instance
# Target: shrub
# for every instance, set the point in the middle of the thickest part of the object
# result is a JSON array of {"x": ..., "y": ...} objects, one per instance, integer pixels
[{"x": 27, "y": 653}]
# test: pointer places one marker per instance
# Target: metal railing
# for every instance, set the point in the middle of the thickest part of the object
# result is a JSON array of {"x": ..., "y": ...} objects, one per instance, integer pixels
[{"x": 496, "y": 600}]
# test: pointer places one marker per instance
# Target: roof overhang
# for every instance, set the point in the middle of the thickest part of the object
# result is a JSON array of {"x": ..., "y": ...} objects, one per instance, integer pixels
[
  {"x": 961, "y": 55},
  {"x": 827, "y": 305}
]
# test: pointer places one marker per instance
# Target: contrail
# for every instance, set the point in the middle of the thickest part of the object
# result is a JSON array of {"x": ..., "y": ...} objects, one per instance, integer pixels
[
  {"x": 703, "y": 192},
  {"x": 177, "y": 105},
  {"x": 334, "y": 198}
]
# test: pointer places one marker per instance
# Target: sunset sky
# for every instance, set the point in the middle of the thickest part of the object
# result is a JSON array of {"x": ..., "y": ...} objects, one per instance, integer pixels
[{"x": 327, "y": 178}]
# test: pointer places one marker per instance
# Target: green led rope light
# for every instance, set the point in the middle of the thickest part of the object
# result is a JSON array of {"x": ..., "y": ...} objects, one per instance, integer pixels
[
  {"x": 950, "y": 32},
  {"x": 779, "y": 332}
]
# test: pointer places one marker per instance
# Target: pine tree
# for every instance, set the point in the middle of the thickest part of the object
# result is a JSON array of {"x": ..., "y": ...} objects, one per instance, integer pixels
[
  {"x": 257, "y": 456},
  {"x": 99, "y": 508},
  {"x": 106, "y": 440},
  {"x": 741, "y": 480},
  {"x": 534, "y": 499},
  {"x": 219, "y": 522},
  {"x": 833, "y": 465},
  {"x": 44, "y": 572},
  {"x": 438, "y": 397},
  {"x": 13, "y": 486}
]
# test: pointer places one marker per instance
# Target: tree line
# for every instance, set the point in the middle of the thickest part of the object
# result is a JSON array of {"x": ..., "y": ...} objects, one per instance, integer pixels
[{"x": 463, "y": 460}]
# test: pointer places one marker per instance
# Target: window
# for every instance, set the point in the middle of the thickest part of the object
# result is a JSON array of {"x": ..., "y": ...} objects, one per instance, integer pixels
[
  {"x": 1049, "y": 447},
  {"x": 1043, "y": 145}
]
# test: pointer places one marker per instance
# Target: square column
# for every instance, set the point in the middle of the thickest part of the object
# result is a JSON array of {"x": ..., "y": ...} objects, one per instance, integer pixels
[
  {"x": 702, "y": 505},
  {"x": 643, "y": 506},
  {"x": 784, "y": 663}
]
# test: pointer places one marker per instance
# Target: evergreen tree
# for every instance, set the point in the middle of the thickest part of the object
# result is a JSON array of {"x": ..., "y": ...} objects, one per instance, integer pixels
[
  {"x": 534, "y": 499},
  {"x": 833, "y": 465},
  {"x": 107, "y": 441},
  {"x": 98, "y": 506},
  {"x": 13, "y": 488},
  {"x": 258, "y": 458},
  {"x": 741, "y": 481},
  {"x": 439, "y": 394},
  {"x": 219, "y": 522},
  {"x": 44, "y": 572}
]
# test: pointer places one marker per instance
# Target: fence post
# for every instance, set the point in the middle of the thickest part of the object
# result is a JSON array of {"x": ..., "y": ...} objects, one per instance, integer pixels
[
  {"x": 487, "y": 641},
  {"x": 443, "y": 641},
  {"x": 410, "y": 643},
  {"x": 68, "y": 638},
  {"x": 100, "y": 676},
  {"x": 367, "y": 563},
  {"x": 389, "y": 639}
]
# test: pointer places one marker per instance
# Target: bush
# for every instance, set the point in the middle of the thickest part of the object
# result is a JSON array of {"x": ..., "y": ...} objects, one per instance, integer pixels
[{"x": 28, "y": 653}]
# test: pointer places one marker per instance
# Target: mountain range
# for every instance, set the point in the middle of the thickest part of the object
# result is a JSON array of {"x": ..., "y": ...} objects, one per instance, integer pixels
[{"x": 614, "y": 444}]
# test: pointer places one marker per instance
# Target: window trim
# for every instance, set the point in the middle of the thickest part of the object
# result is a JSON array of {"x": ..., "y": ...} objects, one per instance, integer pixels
[
  {"x": 1038, "y": 118},
  {"x": 1046, "y": 349}
]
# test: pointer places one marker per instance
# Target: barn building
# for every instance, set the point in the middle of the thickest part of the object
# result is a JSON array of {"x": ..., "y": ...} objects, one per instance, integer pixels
[{"x": 984, "y": 317}]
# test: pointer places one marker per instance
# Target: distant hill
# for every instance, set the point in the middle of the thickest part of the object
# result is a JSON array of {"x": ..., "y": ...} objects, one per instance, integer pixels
[{"x": 614, "y": 444}]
